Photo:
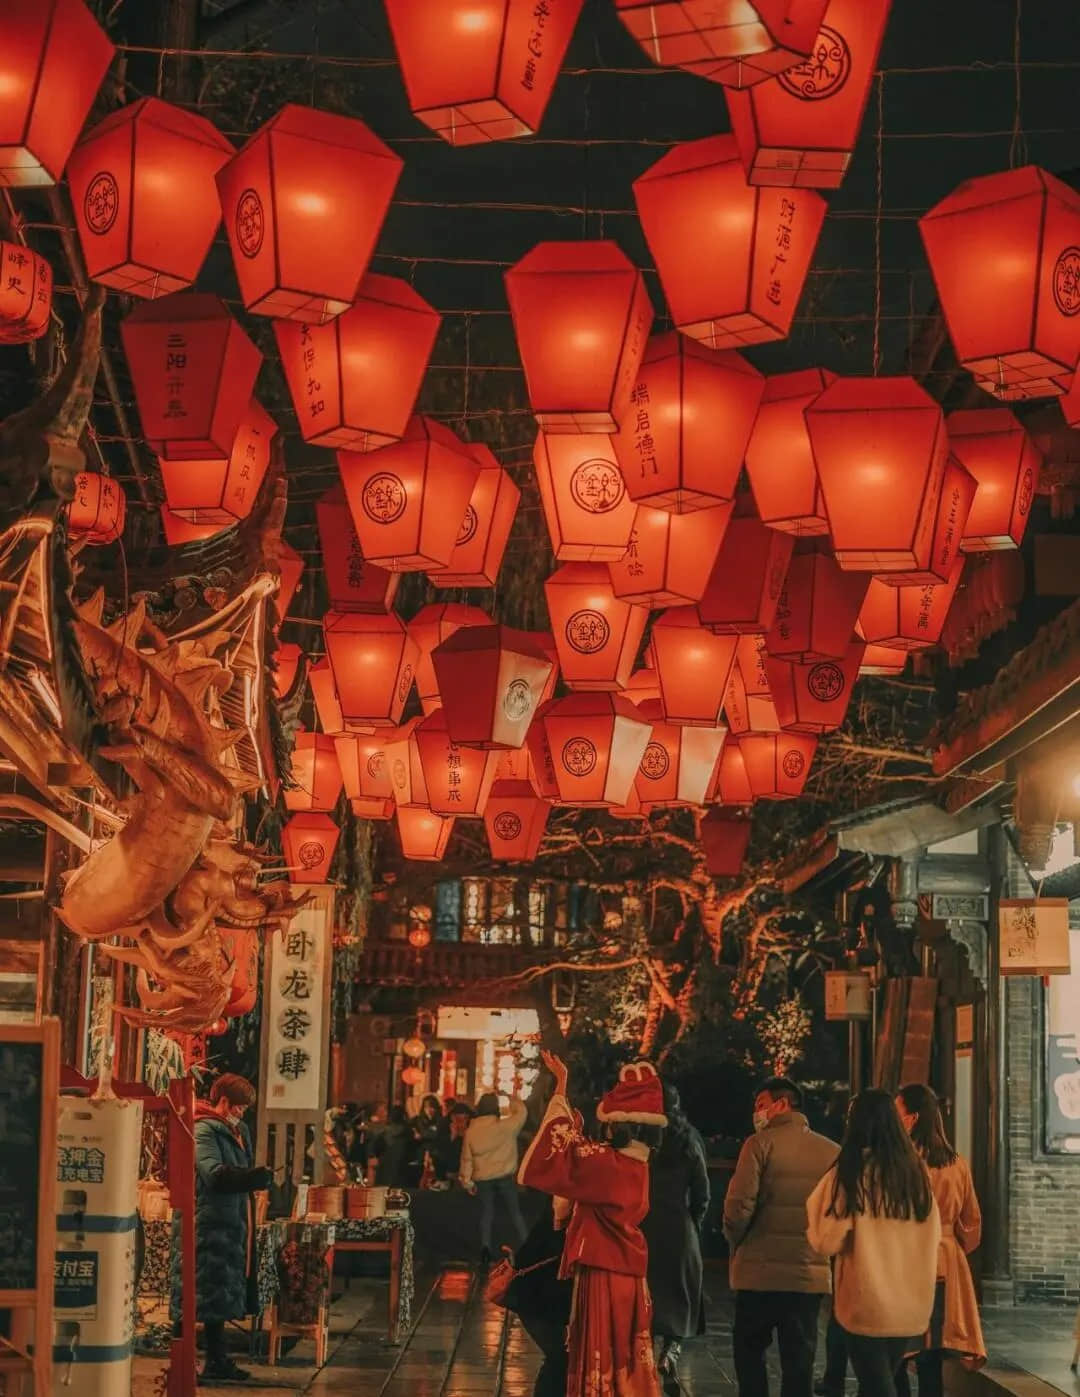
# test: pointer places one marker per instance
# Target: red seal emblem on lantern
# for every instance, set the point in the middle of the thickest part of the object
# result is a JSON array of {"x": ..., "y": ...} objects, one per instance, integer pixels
[
  {"x": 1027, "y": 489},
  {"x": 794, "y": 764},
  {"x": 375, "y": 764},
  {"x": 311, "y": 853},
  {"x": 656, "y": 762},
  {"x": 400, "y": 774},
  {"x": 825, "y": 682},
  {"x": 1067, "y": 281},
  {"x": 506, "y": 825},
  {"x": 825, "y": 71},
  {"x": 250, "y": 223},
  {"x": 597, "y": 486},
  {"x": 468, "y": 526},
  {"x": 518, "y": 700},
  {"x": 579, "y": 756},
  {"x": 588, "y": 631},
  {"x": 384, "y": 498},
  {"x": 102, "y": 203}
]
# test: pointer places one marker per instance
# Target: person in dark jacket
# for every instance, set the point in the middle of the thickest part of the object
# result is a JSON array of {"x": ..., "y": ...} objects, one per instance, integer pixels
[
  {"x": 432, "y": 1131},
  {"x": 678, "y": 1202},
  {"x": 542, "y": 1301},
  {"x": 394, "y": 1149}
]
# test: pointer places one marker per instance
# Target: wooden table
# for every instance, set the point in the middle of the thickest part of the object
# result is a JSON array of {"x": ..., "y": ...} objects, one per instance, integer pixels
[{"x": 393, "y": 1244}]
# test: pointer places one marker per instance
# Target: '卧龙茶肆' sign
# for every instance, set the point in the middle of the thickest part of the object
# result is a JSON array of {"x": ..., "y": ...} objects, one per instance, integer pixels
[
  {"x": 1034, "y": 936},
  {"x": 297, "y": 1009}
]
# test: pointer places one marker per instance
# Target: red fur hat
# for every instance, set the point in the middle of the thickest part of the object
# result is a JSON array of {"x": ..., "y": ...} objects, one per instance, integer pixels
[{"x": 637, "y": 1096}]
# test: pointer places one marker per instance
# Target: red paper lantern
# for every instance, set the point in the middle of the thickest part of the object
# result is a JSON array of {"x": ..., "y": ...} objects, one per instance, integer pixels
[
  {"x": 413, "y": 1076},
  {"x": 748, "y": 576},
  {"x": 352, "y": 582},
  {"x": 1019, "y": 233},
  {"x": 458, "y": 779},
  {"x": 732, "y": 259},
  {"x": 681, "y": 447},
  {"x": 643, "y": 684},
  {"x": 799, "y": 129},
  {"x": 515, "y": 819},
  {"x": 406, "y": 771},
  {"x": 485, "y": 529},
  {"x": 546, "y": 641},
  {"x": 304, "y": 201},
  {"x": 818, "y": 608},
  {"x": 671, "y": 556},
  {"x": 354, "y": 381},
  {"x": 779, "y": 461},
  {"x": 597, "y": 634},
  {"x": 516, "y": 764},
  {"x": 222, "y": 491},
  {"x": 240, "y": 947},
  {"x": 316, "y": 773},
  {"x": 880, "y": 448},
  {"x": 678, "y": 764},
  {"x": 408, "y": 500},
  {"x": 325, "y": 695},
  {"x": 731, "y": 785},
  {"x": 193, "y": 370},
  {"x": 55, "y": 56},
  {"x": 813, "y": 696},
  {"x": 145, "y": 201},
  {"x": 98, "y": 509},
  {"x": 431, "y": 625},
  {"x": 365, "y": 771},
  {"x": 372, "y": 808},
  {"x": 693, "y": 665},
  {"x": 286, "y": 666},
  {"x": 581, "y": 315},
  {"x": 748, "y": 704},
  {"x": 177, "y": 530},
  {"x": 589, "y": 747},
  {"x": 480, "y": 70},
  {"x": 309, "y": 841},
  {"x": 423, "y": 836},
  {"x": 724, "y": 840},
  {"x": 26, "y": 284},
  {"x": 957, "y": 493},
  {"x": 588, "y": 513},
  {"x": 291, "y": 567},
  {"x": 1006, "y": 463},
  {"x": 777, "y": 764},
  {"x": 492, "y": 680},
  {"x": 883, "y": 660},
  {"x": 907, "y": 618},
  {"x": 374, "y": 663}
]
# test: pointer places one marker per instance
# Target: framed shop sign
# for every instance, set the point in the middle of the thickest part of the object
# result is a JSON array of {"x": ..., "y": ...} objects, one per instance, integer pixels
[{"x": 1034, "y": 936}]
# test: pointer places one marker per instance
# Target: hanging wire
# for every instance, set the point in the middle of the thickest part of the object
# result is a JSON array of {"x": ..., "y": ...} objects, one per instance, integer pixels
[
  {"x": 878, "y": 211},
  {"x": 1018, "y": 151}
]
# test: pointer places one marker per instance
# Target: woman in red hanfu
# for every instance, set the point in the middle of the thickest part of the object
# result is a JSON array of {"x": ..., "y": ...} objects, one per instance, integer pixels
[{"x": 607, "y": 1189}]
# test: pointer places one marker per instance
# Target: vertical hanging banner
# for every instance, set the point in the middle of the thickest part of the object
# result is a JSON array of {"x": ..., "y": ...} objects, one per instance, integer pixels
[{"x": 296, "y": 1009}]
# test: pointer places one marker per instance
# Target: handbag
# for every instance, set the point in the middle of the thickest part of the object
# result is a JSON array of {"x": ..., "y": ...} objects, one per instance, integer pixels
[{"x": 503, "y": 1274}]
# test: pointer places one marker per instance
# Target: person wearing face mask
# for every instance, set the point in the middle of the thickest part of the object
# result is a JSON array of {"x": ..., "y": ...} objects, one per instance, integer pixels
[{"x": 778, "y": 1280}]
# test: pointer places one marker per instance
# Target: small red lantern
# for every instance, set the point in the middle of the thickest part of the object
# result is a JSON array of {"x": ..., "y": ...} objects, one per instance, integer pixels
[
  {"x": 480, "y": 70},
  {"x": 883, "y": 660},
  {"x": 458, "y": 779},
  {"x": 485, "y": 529},
  {"x": 374, "y": 663},
  {"x": 800, "y": 128},
  {"x": 748, "y": 577},
  {"x": 423, "y": 836},
  {"x": 177, "y": 530},
  {"x": 55, "y": 56},
  {"x": 813, "y": 696},
  {"x": 589, "y": 746},
  {"x": 26, "y": 285},
  {"x": 325, "y": 694},
  {"x": 193, "y": 370},
  {"x": 880, "y": 448},
  {"x": 158, "y": 162},
  {"x": 597, "y": 634},
  {"x": 309, "y": 841},
  {"x": 414, "y": 1076},
  {"x": 731, "y": 785},
  {"x": 732, "y": 259},
  {"x": 352, "y": 582},
  {"x": 97, "y": 512},
  {"x": 365, "y": 771},
  {"x": 957, "y": 493},
  {"x": 316, "y": 773},
  {"x": 515, "y": 819},
  {"x": 682, "y": 446},
  {"x": 748, "y": 705},
  {"x": 907, "y": 618},
  {"x": 724, "y": 840},
  {"x": 286, "y": 662},
  {"x": 671, "y": 556},
  {"x": 678, "y": 765},
  {"x": 588, "y": 512},
  {"x": 693, "y": 666},
  {"x": 240, "y": 947},
  {"x": 354, "y": 381},
  {"x": 777, "y": 765},
  {"x": 372, "y": 808},
  {"x": 408, "y": 500},
  {"x": 581, "y": 315},
  {"x": 431, "y": 625},
  {"x": 406, "y": 770},
  {"x": 291, "y": 568},
  {"x": 1006, "y": 463},
  {"x": 779, "y": 461},
  {"x": 222, "y": 491},
  {"x": 818, "y": 607},
  {"x": 492, "y": 680},
  {"x": 304, "y": 201}
]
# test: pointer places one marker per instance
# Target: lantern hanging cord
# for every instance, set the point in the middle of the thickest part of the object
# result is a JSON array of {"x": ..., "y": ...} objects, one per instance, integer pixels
[
  {"x": 878, "y": 211},
  {"x": 1018, "y": 154}
]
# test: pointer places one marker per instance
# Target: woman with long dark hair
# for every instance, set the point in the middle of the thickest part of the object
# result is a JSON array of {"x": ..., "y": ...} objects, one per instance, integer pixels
[
  {"x": 955, "y": 1330},
  {"x": 874, "y": 1211}
]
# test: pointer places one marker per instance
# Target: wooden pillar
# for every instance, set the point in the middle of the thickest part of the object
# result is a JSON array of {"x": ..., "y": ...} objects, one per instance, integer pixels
[{"x": 995, "y": 1248}]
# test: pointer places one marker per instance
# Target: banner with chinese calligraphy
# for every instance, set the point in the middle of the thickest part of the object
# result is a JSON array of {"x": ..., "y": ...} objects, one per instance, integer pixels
[
  {"x": 296, "y": 1010},
  {"x": 1034, "y": 936}
]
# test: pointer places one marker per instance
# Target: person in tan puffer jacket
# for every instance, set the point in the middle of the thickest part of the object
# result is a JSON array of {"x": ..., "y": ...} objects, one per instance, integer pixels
[{"x": 489, "y": 1165}]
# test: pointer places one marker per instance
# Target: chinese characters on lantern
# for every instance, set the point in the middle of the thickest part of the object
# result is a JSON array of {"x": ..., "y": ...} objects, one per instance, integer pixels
[
  {"x": 296, "y": 1012},
  {"x": 784, "y": 225}
]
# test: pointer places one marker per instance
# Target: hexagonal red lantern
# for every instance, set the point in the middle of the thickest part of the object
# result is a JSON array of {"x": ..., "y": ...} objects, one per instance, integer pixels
[
  {"x": 372, "y": 808},
  {"x": 325, "y": 696},
  {"x": 596, "y": 634},
  {"x": 480, "y": 70},
  {"x": 423, "y": 836},
  {"x": 588, "y": 513},
  {"x": 730, "y": 784},
  {"x": 678, "y": 764},
  {"x": 799, "y": 129},
  {"x": 458, "y": 779},
  {"x": 240, "y": 947},
  {"x": 748, "y": 705},
  {"x": 779, "y": 461},
  {"x": 408, "y": 500},
  {"x": 492, "y": 680},
  {"x": 315, "y": 772},
  {"x": 222, "y": 490},
  {"x": 374, "y": 663},
  {"x": 1006, "y": 463},
  {"x": 291, "y": 568},
  {"x": 907, "y": 618},
  {"x": 431, "y": 625},
  {"x": 581, "y": 315},
  {"x": 55, "y": 56},
  {"x": 693, "y": 665},
  {"x": 485, "y": 529},
  {"x": 352, "y": 582},
  {"x": 26, "y": 285},
  {"x": 954, "y": 506},
  {"x": 814, "y": 696},
  {"x": 354, "y": 382},
  {"x": 883, "y": 660},
  {"x": 725, "y": 838},
  {"x": 818, "y": 607},
  {"x": 880, "y": 449},
  {"x": 365, "y": 771},
  {"x": 406, "y": 771},
  {"x": 286, "y": 666},
  {"x": 1019, "y": 232},
  {"x": 193, "y": 370},
  {"x": 777, "y": 764},
  {"x": 589, "y": 747},
  {"x": 671, "y": 556},
  {"x": 177, "y": 530},
  {"x": 748, "y": 576},
  {"x": 732, "y": 259},
  {"x": 304, "y": 200},
  {"x": 158, "y": 161},
  {"x": 515, "y": 819},
  {"x": 98, "y": 509},
  {"x": 309, "y": 841},
  {"x": 681, "y": 447}
]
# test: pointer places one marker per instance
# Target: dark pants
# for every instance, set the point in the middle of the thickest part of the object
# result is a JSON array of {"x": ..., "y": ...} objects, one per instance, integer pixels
[
  {"x": 793, "y": 1317},
  {"x": 928, "y": 1369},
  {"x": 506, "y": 1191},
  {"x": 217, "y": 1354},
  {"x": 876, "y": 1363},
  {"x": 549, "y": 1336},
  {"x": 836, "y": 1359}
]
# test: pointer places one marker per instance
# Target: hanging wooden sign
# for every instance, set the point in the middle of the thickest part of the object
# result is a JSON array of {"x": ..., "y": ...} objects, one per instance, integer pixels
[
  {"x": 1034, "y": 936},
  {"x": 847, "y": 996}
]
